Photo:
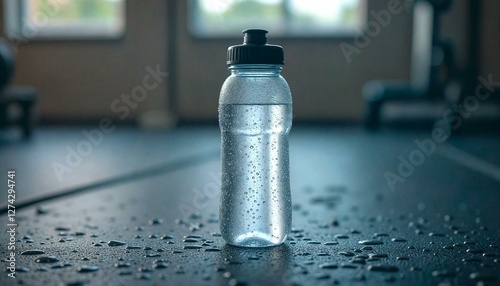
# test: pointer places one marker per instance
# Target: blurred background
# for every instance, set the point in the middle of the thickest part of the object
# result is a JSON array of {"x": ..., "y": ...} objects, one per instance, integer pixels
[
  {"x": 85, "y": 57},
  {"x": 118, "y": 101}
]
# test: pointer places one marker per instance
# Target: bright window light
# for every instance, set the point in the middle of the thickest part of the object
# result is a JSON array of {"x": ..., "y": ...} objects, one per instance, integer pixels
[
  {"x": 222, "y": 18},
  {"x": 64, "y": 19}
]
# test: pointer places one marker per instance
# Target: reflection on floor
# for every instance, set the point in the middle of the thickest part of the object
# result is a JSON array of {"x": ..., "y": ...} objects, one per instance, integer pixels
[{"x": 390, "y": 206}]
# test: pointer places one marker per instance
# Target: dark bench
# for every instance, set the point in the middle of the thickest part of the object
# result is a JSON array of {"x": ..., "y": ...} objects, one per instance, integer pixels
[{"x": 17, "y": 103}]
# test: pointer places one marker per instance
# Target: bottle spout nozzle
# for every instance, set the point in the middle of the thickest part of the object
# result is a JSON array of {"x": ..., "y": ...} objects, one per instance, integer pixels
[{"x": 255, "y": 37}]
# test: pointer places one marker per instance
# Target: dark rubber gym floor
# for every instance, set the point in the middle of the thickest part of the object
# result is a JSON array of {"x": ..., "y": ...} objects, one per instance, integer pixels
[{"x": 390, "y": 207}]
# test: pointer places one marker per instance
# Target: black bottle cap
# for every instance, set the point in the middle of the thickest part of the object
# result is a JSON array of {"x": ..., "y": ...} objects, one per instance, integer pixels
[{"x": 255, "y": 50}]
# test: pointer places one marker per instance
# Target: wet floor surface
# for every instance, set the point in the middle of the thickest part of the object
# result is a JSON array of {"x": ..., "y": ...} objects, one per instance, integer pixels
[{"x": 142, "y": 209}]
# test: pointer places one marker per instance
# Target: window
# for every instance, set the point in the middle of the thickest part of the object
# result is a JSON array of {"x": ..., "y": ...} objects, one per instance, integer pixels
[
  {"x": 64, "y": 19},
  {"x": 309, "y": 18}
]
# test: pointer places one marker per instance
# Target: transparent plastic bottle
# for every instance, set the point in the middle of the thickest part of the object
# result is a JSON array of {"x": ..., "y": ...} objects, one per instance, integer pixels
[{"x": 255, "y": 117}]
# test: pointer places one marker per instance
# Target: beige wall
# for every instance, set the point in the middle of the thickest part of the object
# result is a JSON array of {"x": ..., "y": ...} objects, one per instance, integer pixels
[{"x": 80, "y": 79}]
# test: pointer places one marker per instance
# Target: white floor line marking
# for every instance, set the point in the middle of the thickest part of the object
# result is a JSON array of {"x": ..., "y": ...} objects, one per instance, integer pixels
[{"x": 467, "y": 160}]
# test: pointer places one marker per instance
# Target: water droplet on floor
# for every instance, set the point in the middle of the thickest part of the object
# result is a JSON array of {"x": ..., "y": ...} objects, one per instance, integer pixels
[
  {"x": 349, "y": 266},
  {"x": 383, "y": 268},
  {"x": 87, "y": 268},
  {"x": 313, "y": 242},
  {"x": 398, "y": 239},
  {"x": 41, "y": 210},
  {"x": 179, "y": 270},
  {"x": 328, "y": 266},
  {"x": 133, "y": 247},
  {"x": 402, "y": 258},
  {"x": 360, "y": 277},
  {"x": 232, "y": 262},
  {"x": 475, "y": 251},
  {"x": 346, "y": 253},
  {"x": 33, "y": 252},
  {"x": 144, "y": 269},
  {"x": 47, "y": 259},
  {"x": 144, "y": 276},
  {"x": 61, "y": 265},
  {"x": 370, "y": 242},
  {"x": 483, "y": 277},
  {"x": 234, "y": 282},
  {"x": 155, "y": 221},
  {"x": 358, "y": 261},
  {"x": 444, "y": 273},
  {"x": 122, "y": 265},
  {"x": 194, "y": 246},
  {"x": 220, "y": 269},
  {"x": 22, "y": 269},
  {"x": 436, "y": 234},
  {"x": 471, "y": 260},
  {"x": 331, "y": 243},
  {"x": 116, "y": 243},
  {"x": 160, "y": 265}
]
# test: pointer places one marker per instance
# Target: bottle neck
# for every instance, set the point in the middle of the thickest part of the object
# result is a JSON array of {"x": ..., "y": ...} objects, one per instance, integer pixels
[{"x": 255, "y": 70}]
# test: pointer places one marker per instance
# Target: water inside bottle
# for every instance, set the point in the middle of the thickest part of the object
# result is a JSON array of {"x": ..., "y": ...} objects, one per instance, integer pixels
[{"x": 255, "y": 201}]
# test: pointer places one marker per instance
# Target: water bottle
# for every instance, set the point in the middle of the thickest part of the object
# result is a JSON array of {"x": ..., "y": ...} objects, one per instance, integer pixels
[{"x": 255, "y": 117}]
